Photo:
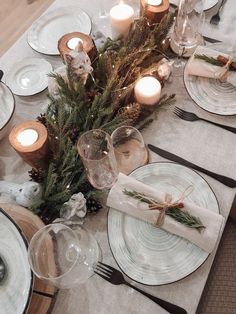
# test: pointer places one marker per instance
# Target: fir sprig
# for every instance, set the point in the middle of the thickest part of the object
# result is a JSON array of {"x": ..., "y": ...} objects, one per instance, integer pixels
[
  {"x": 178, "y": 214},
  {"x": 210, "y": 60}
]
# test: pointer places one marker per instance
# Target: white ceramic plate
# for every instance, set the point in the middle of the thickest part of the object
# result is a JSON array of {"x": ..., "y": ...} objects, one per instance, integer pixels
[
  {"x": 45, "y": 32},
  {"x": 29, "y": 76},
  {"x": 150, "y": 255},
  {"x": 208, "y": 4},
  {"x": 7, "y": 107},
  {"x": 211, "y": 94},
  {"x": 16, "y": 287}
]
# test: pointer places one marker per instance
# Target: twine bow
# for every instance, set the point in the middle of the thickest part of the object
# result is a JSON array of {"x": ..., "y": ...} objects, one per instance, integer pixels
[
  {"x": 223, "y": 76},
  {"x": 169, "y": 203}
]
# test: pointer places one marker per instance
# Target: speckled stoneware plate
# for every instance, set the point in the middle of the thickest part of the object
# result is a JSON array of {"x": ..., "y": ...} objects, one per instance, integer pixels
[
  {"x": 7, "y": 108},
  {"x": 45, "y": 32},
  {"x": 16, "y": 286},
  {"x": 28, "y": 76},
  {"x": 211, "y": 94},
  {"x": 208, "y": 4},
  {"x": 150, "y": 255}
]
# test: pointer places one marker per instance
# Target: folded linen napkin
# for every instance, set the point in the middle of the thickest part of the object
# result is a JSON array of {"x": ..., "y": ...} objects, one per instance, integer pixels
[
  {"x": 133, "y": 207},
  {"x": 202, "y": 68}
]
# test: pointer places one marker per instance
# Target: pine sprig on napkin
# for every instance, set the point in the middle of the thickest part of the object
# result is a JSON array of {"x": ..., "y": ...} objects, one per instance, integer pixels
[
  {"x": 210, "y": 60},
  {"x": 178, "y": 214}
]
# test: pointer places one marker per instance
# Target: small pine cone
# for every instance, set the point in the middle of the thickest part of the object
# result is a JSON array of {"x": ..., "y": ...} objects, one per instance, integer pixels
[
  {"x": 93, "y": 206},
  {"x": 74, "y": 134},
  {"x": 36, "y": 175},
  {"x": 130, "y": 112},
  {"x": 42, "y": 119}
]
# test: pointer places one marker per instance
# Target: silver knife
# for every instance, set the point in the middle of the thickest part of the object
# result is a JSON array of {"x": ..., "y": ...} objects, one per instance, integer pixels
[
  {"x": 211, "y": 40},
  {"x": 163, "y": 153}
]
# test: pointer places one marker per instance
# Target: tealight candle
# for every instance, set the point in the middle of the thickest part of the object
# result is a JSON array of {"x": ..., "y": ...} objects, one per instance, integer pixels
[
  {"x": 147, "y": 90},
  {"x": 30, "y": 141},
  {"x": 69, "y": 41},
  {"x": 73, "y": 42},
  {"x": 154, "y": 10},
  {"x": 121, "y": 18},
  {"x": 27, "y": 137}
]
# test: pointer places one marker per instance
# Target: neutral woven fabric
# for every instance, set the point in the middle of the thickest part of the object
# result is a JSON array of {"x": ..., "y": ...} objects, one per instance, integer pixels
[{"x": 219, "y": 295}]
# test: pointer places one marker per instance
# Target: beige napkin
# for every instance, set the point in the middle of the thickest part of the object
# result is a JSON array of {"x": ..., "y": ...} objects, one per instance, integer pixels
[
  {"x": 213, "y": 222},
  {"x": 201, "y": 68}
]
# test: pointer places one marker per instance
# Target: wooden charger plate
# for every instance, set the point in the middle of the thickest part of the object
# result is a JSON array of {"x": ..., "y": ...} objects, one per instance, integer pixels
[{"x": 30, "y": 224}]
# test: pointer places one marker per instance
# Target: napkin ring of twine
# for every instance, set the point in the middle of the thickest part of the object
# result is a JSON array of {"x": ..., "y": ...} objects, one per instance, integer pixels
[
  {"x": 169, "y": 203},
  {"x": 223, "y": 75}
]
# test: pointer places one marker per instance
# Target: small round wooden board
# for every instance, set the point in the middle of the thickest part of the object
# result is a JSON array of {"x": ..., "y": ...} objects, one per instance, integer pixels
[{"x": 29, "y": 224}]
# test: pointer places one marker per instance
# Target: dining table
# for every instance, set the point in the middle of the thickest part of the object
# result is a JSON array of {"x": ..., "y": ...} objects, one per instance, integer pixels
[{"x": 201, "y": 143}]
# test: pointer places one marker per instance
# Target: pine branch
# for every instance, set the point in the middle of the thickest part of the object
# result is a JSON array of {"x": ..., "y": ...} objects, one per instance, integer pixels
[{"x": 208, "y": 59}]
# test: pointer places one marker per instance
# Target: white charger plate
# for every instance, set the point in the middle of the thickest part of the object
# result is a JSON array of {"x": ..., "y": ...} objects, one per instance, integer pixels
[
  {"x": 16, "y": 287},
  {"x": 7, "y": 107},
  {"x": 148, "y": 254},
  {"x": 207, "y": 4},
  {"x": 45, "y": 32},
  {"x": 211, "y": 94},
  {"x": 29, "y": 76}
]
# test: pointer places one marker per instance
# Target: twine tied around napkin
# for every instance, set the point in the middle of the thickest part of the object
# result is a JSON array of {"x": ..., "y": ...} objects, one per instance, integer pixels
[
  {"x": 169, "y": 203},
  {"x": 223, "y": 75}
]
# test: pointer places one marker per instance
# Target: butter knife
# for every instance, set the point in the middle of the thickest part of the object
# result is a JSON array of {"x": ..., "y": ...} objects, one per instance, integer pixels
[{"x": 163, "y": 153}]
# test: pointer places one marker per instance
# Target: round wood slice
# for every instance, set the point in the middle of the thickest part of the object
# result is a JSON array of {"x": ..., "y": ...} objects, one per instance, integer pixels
[{"x": 30, "y": 224}]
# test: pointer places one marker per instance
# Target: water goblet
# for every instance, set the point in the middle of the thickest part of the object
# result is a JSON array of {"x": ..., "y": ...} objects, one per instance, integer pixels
[
  {"x": 130, "y": 150},
  {"x": 62, "y": 256},
  {"x": 97, "y": 154}
]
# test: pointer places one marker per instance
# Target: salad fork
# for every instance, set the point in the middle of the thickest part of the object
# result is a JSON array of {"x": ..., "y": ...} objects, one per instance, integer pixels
[
  {"x": 115, "y": 277},
  {"x": 215, "y": 19},
  {"x": 190, "y": 116}
]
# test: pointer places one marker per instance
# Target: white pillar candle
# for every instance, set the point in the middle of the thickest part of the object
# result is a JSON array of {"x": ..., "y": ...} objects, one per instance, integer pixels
[
  {"x": 154, "y": 2},
  {"x": 73, "y": 42},
  {"x": 121, "y": 18},
  {"x": 27, "y": 137},
  {"x": 147, "y": 90}
]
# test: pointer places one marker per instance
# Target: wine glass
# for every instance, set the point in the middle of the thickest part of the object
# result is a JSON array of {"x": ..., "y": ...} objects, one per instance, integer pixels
[
  {"x": 186, "y": 36},
  {"x": 97, "y": 153},
  {"x": 130, "y": 150},
  {"x": 62, "y": 256},
  {"x": 101, "y": 20}
]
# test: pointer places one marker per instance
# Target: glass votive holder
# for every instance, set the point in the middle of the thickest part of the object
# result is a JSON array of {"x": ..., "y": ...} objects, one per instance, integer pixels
[
  {"x": 129, "y": 147},
  {"x": 97, "y": 154}
]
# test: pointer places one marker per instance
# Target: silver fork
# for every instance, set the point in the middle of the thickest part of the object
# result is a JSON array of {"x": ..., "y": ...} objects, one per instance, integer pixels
[
  {"x": 115, "y": 277},
  {"x": 215, "y": 19},
  {"x": 190, "y": 116}
]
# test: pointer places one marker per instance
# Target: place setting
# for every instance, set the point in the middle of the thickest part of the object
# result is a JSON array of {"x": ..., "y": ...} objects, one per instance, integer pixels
[{"x": 86, "y": 153}]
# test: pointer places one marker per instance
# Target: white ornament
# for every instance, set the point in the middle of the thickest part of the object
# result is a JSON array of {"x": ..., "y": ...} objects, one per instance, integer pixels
[
  {"x": 76, "y": 206},
  {"x": 164, "y": 69},
  {"x": 25, "y": 194},
  {"x": 79, "y": 63}
]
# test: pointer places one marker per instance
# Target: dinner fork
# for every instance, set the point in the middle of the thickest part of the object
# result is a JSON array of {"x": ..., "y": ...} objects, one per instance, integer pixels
[
  {"x": 215, "y": 19},
  {"x": 190, "y": 116},
  {"x": 115, "y": 277}
]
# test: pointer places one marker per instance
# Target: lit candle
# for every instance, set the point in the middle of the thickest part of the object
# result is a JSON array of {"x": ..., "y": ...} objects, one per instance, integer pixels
[
  {"x": 121, "y": 18},
  {"x": 68, "y": 42},
  {"x": 30, "y": 141},
  {"x": 27, "y": 137},
  {"x": 73, "y": 42},
  {"x": 147, "y": 90},
  {"x": 154, "y": 10}
]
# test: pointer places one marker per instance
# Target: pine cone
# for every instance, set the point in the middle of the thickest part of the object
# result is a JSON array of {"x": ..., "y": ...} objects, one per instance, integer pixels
[
  {"x": 93, "y": 206},
  {"x": 130, "y": 112},
  {"x": 42, "y": 119},
  {"x": 74, "y": 134},
  {"x": 36, "y": 175}
]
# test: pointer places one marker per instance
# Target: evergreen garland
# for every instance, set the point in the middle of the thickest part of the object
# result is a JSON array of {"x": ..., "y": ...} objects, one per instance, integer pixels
[{"x": 97, "y": 104}]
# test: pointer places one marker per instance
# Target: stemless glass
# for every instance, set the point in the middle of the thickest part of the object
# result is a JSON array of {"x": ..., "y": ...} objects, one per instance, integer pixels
[
  {"x": 186, "y": 36},
  {"x": 97, "y": 153},
  {"x": 62, "y": 256},
  {"x": 129, "y": 147}
]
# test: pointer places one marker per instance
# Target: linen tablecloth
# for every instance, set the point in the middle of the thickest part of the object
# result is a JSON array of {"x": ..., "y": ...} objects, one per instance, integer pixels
[{"x": 202, "y": 143}]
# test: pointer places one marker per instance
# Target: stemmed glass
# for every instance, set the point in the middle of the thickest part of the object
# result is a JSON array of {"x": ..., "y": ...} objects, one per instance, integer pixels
[
  {"x": 185, "y": 36},
  {"x": 62, "y": 256},
  {"x": 101, "y": 20},
  {"x": 97, "y": 153}
]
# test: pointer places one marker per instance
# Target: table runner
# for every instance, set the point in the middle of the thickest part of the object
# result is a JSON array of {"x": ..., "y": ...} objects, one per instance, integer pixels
[{"x": 203, "y": 144}]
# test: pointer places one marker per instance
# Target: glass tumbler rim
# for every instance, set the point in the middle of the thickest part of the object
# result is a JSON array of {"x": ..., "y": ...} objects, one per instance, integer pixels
[
  {"x": 31, "y": 243},
  {"x": 90, "y": 131}
]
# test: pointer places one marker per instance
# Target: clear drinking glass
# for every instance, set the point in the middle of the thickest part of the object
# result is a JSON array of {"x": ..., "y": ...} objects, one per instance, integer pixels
[
  {"x": 186, "y": 35},
  {"x": 129, "y": 147},
  {"x": 62, "y": 256},
  {"x": 97, "y": 153}
]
